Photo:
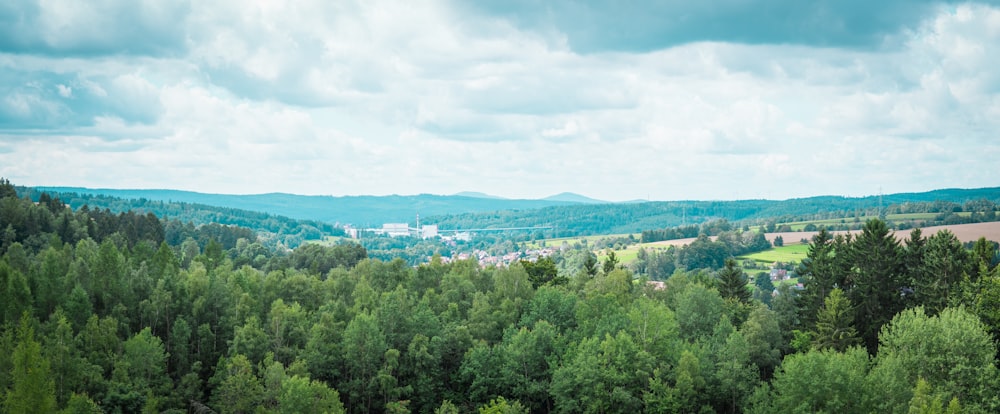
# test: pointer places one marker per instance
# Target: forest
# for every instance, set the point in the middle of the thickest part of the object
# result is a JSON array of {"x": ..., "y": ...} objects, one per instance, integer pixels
[
  {"x": 273, "y": 230},
  {"x": 295, "y": 218},
  {"x": 125, "y": 313},
  {"x": 662, "y": 216}
]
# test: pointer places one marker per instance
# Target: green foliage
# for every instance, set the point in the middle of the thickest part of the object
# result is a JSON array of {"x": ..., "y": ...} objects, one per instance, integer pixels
[
  {"x": 877, "y": 276},
  {"x": 33, "y": 389},
  {"x": 501, "y": 405},
  {"x": 543, "y": 271},
  {"x": 820, "y": 272},
  {"x": 302, "y": 395},
  {"x": 834, "y": 324},
  {"x": 944, "y": 265},
  {"x": 127, "y": 323},
  {"x": 447, "y": 407},
  {"x": 764, "y": 340},
  {"x": 821, "y": 381},
  {"x": 952, "y": 351},
  {"x": 924, "y": 401},
  {"x": 698, "y": 310},
  {"x": 610, "y": 263},
  {"x": 735, "y": 374},
  {"x": 732, "y": 282},
  {"x": 364, "y": 348},
  {"x": 602, "y": 376},
  {"x": 239, "y": 391},
  {"x": 81, "y": 404},
  {"x": 703, "y": 254}
]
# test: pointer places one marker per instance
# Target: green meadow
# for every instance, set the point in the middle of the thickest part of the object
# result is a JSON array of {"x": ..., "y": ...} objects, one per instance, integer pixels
[{"x": 785, "y": 254}]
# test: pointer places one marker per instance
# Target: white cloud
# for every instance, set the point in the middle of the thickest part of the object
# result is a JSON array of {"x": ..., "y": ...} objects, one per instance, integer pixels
[
  {"x": 400, "y": 97},
  {"x": 567, "y": 130}
]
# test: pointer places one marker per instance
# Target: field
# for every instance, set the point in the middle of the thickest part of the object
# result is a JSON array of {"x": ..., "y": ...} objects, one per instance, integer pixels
[
  {"x": 627, "y": 255},
  {"x": 799, "y": 225},
  {"x": 786, "y": 254},
  {"x": 794, "y": 250}
]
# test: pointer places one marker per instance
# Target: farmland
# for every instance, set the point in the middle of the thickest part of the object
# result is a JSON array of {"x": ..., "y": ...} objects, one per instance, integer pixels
[
  {"x": 915, "y": 218},
  {"x": 792, "y": 253},
  {"x": 794, "y": 250}
]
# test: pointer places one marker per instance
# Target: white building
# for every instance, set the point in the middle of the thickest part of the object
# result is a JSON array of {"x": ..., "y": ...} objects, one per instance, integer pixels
[
  {"x": 396, "y": 229},
  {"x": 429, "y": 231},
  {"x": 351, "y": 232}
]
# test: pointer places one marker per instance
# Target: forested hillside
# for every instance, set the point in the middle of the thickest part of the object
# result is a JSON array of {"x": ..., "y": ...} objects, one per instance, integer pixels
[
  {"x": 569, "y": 216},
  {"x": 273, "y": 229},
  {"x": 123, "y": 319},
  {"x": 360, "y": 211},
  {"x": 590, "y": 219}
]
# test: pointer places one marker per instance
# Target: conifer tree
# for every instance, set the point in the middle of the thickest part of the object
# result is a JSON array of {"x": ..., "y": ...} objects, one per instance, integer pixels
[
  {"x": 733, "y": 283},
  {"x": 877, "y": 274},
  {"x": 834, "y": 324},
  {"x": 34, "y": 390}
]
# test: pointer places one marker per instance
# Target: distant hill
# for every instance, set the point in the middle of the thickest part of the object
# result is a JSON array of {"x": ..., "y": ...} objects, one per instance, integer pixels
[
  {"x": 271, "y": 228},
  {"x": 476, "y": 194},
  {"x": 360, "y": 211},
  {"x": 574, "y": 198},
  {"x": 569, "y": 214},
  {"x": 584, "y": 219}
]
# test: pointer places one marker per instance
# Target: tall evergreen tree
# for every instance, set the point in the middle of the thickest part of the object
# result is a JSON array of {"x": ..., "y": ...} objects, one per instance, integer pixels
[
  {"x": 946, "y": 263},
  {"x": 984, "y": 252},
  {"x": 877, "y": 276},
  {"x": 834, "y": 324},
  {"x": 610, "y": 263},
  {"x": 817, "y": 272},
  {"x": 914, "y": 249},
  {"x": 732, "y": 282},
  {"x": 33, "y": 390}
]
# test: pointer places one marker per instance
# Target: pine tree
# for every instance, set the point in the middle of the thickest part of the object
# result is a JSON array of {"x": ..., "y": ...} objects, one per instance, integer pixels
[
  {"x": 817, "y": 272},
  {"x": 946, "y": 263},
  {"x": 733, "y": 283},
  {"x": 610, "y": 263},
  {"x": 834, "y": 324},
  {"x": 877, "y": 274},
  {"x": 34, "y": 390}
]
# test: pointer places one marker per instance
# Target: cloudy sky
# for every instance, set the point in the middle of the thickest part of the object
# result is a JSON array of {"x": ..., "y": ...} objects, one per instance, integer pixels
[{"x": 729, "y": 99}]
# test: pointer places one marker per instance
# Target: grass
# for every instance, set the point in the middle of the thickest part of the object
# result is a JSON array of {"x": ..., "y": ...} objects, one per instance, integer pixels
[
  {"x": 786, "y": 254},
  {"x": 624, "y": 256}
]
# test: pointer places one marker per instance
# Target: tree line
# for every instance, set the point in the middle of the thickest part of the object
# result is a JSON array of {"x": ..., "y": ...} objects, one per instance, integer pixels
[{"x": 275, "y": 230}]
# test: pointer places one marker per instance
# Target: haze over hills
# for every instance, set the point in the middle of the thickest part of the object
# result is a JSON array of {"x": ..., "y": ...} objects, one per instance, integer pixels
[
  {"x": 355, "y": 210},
  {"x": 568, "y": 212},
  {"x": 476, "y": 194},
  {"x": 561, "y": 197},
  {"x": 575, "y": 198}
]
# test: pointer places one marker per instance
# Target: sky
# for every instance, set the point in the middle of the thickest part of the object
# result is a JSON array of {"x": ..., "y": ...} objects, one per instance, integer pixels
[{"x": 659, "y": 100}]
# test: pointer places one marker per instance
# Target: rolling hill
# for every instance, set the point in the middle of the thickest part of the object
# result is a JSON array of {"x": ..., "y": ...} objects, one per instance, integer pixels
[
  {"x": 361, "y": 211},
  {"x": 569, "y": 214}
]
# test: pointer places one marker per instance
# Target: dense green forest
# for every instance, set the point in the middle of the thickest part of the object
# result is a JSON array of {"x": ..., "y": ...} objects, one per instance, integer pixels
[
  {"x": 273, "y": 230},
  {"x": 589, "y": 219},
  {"x": 360, "y": 211},
  {"x": 119, "y": 317},
  {"x": 567, "y": 217}
]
